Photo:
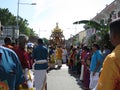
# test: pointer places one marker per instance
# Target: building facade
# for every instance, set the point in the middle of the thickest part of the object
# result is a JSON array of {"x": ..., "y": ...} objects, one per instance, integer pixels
[{"x": 109, "y": 13}]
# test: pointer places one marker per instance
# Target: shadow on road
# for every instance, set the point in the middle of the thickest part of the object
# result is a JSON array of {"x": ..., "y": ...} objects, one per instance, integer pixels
[{"x": 76, "y": 76}]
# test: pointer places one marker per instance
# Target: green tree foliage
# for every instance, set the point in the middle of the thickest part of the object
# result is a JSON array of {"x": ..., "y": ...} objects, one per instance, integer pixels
[
  {"x": 32, "y": 33},
  {"x": 8, "y": 19},
  {"x": 101, "y": 28},
  {"x": 46, "y": 41}
]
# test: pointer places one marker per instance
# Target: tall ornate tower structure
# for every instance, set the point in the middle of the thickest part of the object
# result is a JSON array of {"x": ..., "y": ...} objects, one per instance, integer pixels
[{"x": 57, "y": 37}]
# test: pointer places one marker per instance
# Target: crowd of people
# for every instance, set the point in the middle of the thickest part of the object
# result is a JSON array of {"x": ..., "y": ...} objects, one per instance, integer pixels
[
  {"x": 86, "y": 62},
  {"x": 18, "y": 62},
  {"x": 57, "y": 56},
  {"x": 82, "y": 60},
  {"x": 98, "y": 69}
]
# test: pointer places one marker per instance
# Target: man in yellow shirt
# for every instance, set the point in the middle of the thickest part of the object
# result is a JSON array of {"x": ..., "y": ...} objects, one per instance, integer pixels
[
  {"x": 110, "y": 75},
  {"x": 59, "y": 52}
]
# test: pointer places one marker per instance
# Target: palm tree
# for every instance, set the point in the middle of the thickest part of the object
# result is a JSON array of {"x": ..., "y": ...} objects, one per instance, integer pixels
[
  {"x": 90, "y": 23},
  {"x": 101, "y": 28}
]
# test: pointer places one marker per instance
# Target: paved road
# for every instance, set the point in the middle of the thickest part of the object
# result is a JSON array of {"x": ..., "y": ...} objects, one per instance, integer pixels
[{"x": 62, "y": 80}]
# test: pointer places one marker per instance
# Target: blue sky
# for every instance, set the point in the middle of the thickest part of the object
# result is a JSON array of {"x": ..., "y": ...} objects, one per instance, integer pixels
[{"x": 43, "y": 16}]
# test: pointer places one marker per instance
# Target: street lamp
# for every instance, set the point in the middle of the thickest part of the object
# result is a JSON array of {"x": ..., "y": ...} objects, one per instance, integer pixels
[
  {"x": 17, "y": 14},
  {"x": 28, "y": 3},
  {"x": 17, "y": 26}
]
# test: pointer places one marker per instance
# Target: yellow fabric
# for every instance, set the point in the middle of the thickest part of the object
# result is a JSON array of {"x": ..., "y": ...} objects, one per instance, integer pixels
[
  {"x": 52, "y": 58},
  {"x": 30, "y": 78},
  {"x": 22, "y": 88},
  {"x": 59, "y": 54},
  {"x": 110, "y": 75}
]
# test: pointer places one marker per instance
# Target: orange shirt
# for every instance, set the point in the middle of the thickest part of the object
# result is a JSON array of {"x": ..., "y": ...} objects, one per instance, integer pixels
[
  {"x": 8, "y": 46},
  {"x": 110, "y": 75}
]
